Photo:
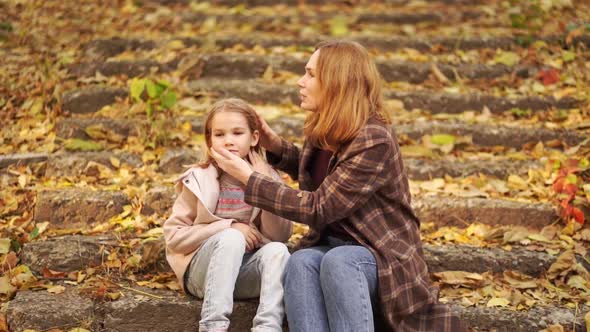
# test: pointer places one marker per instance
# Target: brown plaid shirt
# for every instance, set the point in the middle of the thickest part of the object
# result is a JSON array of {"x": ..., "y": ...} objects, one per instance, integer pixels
[{"x": 367, "y": 186}]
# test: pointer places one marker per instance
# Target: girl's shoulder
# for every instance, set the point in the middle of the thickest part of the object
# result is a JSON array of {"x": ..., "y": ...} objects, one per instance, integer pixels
[{"x": 206, "y": 176}]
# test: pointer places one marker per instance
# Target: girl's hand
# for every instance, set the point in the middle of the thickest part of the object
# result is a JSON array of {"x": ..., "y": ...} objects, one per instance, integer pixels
[
  {"x": 251, "y": 235},
  {"x": 269, "y": 140},
  {"x": 258, "y": 164},
  {"x": 232, "y": 164}
]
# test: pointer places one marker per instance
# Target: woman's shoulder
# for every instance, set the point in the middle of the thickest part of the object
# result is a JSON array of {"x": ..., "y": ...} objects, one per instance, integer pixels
[{"x": 375, "y": 132}]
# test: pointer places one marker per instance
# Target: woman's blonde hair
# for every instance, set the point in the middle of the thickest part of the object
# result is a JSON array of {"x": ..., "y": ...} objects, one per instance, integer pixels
[
  {"x": 228, "y": 105},
  {"x": 350, "y": 93}
]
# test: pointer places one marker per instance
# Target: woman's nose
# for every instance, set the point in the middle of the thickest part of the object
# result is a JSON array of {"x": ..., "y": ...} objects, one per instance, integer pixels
[{"x": 300, "y": 82}]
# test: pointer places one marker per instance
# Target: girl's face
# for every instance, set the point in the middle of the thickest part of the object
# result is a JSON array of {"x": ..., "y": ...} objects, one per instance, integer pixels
[
  {"x": 309, "y": 85},
  {"x": 230, "y": 130}
]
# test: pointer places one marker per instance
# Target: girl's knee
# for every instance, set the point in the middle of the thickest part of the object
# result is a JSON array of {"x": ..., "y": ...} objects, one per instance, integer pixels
[
  {"x": 275, "y": 250},
  {"x": 230, "y": 240}
]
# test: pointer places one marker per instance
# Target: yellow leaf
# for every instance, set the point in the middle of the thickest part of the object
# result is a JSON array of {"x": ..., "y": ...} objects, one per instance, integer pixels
[
  {"x": 79, "y": 329},
  {"x": 498, "y": 302},
  {"x": 516, "y": 182},
  {"x": 587, "y": 319},
  {"x": 56, "y": 289},
  {"x": 553, "y": 328},
  {"x": 538, "y": 237},
  {"x": 416, "y": 151},
  {"x": 6, "y": 288},
  {"x": 433, "y": 185},
  {"x": 115, "y": 162},
  {"x": 4, "y": 245},
  {"x": 22, "y": 180}
]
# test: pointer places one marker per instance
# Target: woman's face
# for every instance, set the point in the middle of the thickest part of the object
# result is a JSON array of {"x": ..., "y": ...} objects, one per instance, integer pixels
[{"x": 309, "y": 86}]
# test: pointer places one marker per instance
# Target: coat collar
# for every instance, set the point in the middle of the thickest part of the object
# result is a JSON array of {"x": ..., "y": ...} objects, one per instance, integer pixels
[{"x": 204, "y": 184}]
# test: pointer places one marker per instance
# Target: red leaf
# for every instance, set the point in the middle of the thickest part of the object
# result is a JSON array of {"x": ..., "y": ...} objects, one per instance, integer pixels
[
  {"x": 570, "y": 189},
  {"x": 578, "y": 215},
  {"x": 558, "y": 184},
  {"x": 549, "y": 76}
]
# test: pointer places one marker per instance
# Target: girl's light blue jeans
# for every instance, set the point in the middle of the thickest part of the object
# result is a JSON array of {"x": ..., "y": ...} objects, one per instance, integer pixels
[
  {"x": 331, "y": 288},
  {"x": 221, "y": 270}
]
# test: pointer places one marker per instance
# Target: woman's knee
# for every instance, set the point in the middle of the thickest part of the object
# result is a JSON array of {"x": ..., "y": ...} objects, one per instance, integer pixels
[{"x": 344, "y": 261}]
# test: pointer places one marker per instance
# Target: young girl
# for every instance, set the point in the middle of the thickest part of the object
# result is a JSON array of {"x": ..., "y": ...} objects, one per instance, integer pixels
[{"x": 219, "y": 246}]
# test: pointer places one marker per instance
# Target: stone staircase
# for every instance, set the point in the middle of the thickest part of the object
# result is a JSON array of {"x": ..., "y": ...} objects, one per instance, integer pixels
[{"x": 106, "y": 207}]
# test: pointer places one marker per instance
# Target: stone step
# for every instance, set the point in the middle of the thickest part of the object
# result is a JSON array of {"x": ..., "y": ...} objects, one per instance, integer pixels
[
  {"x": 487, "y": 134},
  {"x": 22, "y": 159},
  {"x": 255, "y": 3},
  {"x": 76, "y": 252},
  {"x": 92, "y": 99},
  {"x": 248, "y": 66},
  {"x": 394, "y": 16},
  {"x": 461, "y": 211},
  {"x": 79, "y": 208},
  {"x": 432, "y": 101},
  {"x": 105, "y": 48},
  {"x": 172, "y": 311},
  {"x": 175, "y": 160}
]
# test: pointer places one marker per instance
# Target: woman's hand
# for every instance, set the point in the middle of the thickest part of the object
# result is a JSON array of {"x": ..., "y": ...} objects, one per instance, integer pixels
[
  {"x": 258, "y": 164},
  {"x": 269, "y": 140},
  {"x": 252, "y": 236},
  {"x": 232, "y": 164}
]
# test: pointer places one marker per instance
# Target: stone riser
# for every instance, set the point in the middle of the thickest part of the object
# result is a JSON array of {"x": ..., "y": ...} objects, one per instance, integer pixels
[
  {"x": 134, "y": 312},
  {"x": 92, "y": 99},
  {"x": 104, "y": 48},
  {"x": 241, "y": 66}
]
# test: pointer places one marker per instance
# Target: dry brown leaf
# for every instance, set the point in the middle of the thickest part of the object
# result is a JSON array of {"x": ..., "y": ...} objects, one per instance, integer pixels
[
  {"x": 564, "y": 263},
  {"x": 462, "y": 278},
  {"x": 56, "y": 289}
]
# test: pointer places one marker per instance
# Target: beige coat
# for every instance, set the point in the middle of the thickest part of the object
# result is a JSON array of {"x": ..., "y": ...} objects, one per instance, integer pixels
[{"x": 192, "y": 220}]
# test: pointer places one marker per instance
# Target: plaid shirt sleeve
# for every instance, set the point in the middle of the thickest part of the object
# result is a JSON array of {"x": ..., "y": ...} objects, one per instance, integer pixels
[
  {"x": 352, "y": 182},
  {"x": 288, "y": 161}
]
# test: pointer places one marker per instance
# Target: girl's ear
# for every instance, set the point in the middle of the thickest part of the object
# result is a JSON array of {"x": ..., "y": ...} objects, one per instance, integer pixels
[{"x": 255, "y": 138}]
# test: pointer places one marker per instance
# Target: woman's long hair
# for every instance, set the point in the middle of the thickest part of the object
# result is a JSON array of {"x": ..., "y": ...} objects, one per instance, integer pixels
[
  {"x": 350, "y": 93},
  {"x": 236, "y": 105}
]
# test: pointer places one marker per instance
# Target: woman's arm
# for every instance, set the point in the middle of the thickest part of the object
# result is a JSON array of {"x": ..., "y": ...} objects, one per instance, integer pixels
[
  {"x": 347, "y": 188},
  {"x": 288, "y": 159}
]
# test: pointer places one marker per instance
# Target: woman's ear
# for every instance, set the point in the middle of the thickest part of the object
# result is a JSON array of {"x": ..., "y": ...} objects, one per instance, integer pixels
[{"x": 255, "y": 138}]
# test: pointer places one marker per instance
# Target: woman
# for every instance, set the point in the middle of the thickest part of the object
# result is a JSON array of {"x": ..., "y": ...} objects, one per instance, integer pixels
[{"x": 363, "y": 255}]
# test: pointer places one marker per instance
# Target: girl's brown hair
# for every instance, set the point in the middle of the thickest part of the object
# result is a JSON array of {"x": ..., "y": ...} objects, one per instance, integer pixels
[
  {"x": 228, "y": 105},
  {"x": 350, "y": 90}
]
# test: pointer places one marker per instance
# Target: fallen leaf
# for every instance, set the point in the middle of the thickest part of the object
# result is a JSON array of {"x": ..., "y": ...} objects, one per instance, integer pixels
[
  {"x": 4, "y": 245},
  {"x": 553, "y": 328},
  {"x": 562, "y": 264},
  {"x": 462, "y": 278},
  {"x": 498, "y": 302},
  {"x": 56, "y": 289}
]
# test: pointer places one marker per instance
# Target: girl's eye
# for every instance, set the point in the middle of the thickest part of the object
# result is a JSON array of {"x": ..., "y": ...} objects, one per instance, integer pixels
[{"x": 218, "y": 135}]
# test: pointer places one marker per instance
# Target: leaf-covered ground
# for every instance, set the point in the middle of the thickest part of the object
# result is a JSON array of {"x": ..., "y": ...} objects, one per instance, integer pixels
[{"x": 46, "y": 49}]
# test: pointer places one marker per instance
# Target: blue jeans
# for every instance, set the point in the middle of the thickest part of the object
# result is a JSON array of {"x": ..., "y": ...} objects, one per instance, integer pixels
[{"x": 331, "y": 288}]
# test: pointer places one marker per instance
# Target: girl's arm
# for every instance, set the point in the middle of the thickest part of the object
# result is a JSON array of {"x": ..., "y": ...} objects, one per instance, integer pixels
[{"x": 181, "y": 235}]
